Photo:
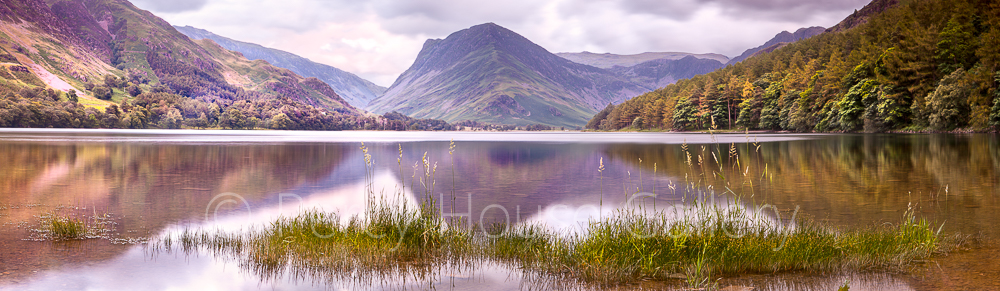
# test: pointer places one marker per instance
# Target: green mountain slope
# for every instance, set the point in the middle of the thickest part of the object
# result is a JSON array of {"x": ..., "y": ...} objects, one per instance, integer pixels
[
  {"x": 357, "y": 91},
  {"x": 490, "y": 74},
  {"x": 106, "y": 63},
  {"x": 81, "y": 41},
  {"x": 893, "y": 65}
]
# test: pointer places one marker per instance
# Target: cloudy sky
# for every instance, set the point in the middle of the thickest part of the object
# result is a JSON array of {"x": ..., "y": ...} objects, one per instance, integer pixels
[{"x": 379, "y": 39}]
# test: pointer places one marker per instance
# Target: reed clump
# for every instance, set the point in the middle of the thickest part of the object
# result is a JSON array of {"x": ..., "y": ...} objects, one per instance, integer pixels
[
  {"x": 622, "y": 248},
  {"x": 387, "y": 241},
  {"x": 694, "y": 241},
  {"x": 67, "y": 228},
  {"x": 633, "y": 246},
  {"x": 59, "y": 228}
]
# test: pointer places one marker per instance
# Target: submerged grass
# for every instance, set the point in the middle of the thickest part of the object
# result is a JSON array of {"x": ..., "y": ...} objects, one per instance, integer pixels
[
  {"x": 62, "y": 228},
  {"x": 314, "y": 243},
  {"x": 55, "y": 227},
  {"x": 701, "y": 240},
  {"x": 623, "y": 248},
  {"x": 632, "y": 246}
]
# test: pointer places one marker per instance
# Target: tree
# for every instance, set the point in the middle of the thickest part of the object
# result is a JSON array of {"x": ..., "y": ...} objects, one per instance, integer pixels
[
  {"x": 718, "y": 114},
  {"x": 995, "y": 110},
  {"x": 200, "y": 122},
  {"x": 71, "y": 96},
  {"x": 684, "y": 114},
  {"x": 912, "y": 69},
  {"x": 769, "y": 115},
  {"x": 749, "y": 109},
  {"x": 957, "y": 45},
  {"x": 171, "y": 120},
  {"x": 948, "y": 105},
  {"x": 281, "y": 121},
  {"x": 133, "y": 90},
  {"x": 852, "y": 106},
  {"x": 233, "y": 119},
  {"x": 112, "y": 81},
  {"x": 101, "y": 92}
]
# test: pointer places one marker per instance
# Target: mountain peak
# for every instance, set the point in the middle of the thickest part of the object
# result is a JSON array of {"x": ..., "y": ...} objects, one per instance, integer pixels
[
  {"x": 488, "y": 25},
  {"x": 490, "y": 33},
  {"x": 492, "y": 74}
]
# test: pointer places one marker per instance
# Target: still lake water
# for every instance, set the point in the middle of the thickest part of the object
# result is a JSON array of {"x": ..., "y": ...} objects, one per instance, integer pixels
[{"x": 151, "y": 183}]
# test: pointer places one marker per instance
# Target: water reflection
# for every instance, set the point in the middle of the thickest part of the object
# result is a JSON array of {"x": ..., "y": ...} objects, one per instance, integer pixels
[
  {"x": 156, "y": 183},
  {"x": 854, "y": 180}
]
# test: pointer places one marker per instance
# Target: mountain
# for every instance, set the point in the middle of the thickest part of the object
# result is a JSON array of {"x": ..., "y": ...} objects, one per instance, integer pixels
[
  {"x": 860, "y": 17},
  {"x": 106, "y": 63},
  {"x": 651, "y": 70},
  {"x": 778, "y": 41},
  {"x": 658, "y": 73},
  {"x": 490, "y": 74},
  {"x": 357, "y": 91},
  {"x": 925, "y": 65},
  {"x": 608, "y": 60},
  {"x": 69, "y": 36}
]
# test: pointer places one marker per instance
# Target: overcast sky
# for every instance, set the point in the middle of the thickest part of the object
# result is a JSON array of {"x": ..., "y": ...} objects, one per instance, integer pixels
[{"x": 379, "y": 39}]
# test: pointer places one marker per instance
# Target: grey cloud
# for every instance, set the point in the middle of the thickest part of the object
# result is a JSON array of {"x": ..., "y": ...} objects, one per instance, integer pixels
[
  {"x": 780, "y": 5},
  {"x": 294, "y": 16},
  {"x": 170, "y": 6},
  {"x": 674, "y": 9},
  {"x": 440, "y": 17},
  {"x": 788, "y": 10}
]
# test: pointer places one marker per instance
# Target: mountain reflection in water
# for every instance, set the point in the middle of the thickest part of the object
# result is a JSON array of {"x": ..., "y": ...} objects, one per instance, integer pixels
[{"x": 159, "y": 182}]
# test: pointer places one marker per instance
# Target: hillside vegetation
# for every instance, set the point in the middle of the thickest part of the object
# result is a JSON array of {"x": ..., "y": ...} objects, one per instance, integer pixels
[
  {"x": 357, "y": 91},
  {"x": 893, "y": 65},
  {"x": 106, "y": 63}
]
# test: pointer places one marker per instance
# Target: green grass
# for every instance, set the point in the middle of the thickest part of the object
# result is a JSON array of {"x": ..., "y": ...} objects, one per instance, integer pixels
[
  {"x": 624, "y": 248},
  {"x": 696, "y": 241},
  {"x": 401, "y": 240},
  {"x": 62, "y": 228},
  {"x": 716, "y": 241}
]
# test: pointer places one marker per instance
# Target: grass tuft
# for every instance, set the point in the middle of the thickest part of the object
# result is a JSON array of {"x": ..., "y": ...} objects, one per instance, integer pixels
[{"x": 67, "y": 228}]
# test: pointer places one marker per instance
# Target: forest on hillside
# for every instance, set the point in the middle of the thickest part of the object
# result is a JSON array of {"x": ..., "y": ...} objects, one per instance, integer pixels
[
  {"x": 918, "y": 65},
  {"x": 37, "y": 107}
]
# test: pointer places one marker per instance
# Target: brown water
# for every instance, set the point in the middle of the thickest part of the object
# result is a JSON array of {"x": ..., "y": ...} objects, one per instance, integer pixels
[{"x": 155, "y": 182}]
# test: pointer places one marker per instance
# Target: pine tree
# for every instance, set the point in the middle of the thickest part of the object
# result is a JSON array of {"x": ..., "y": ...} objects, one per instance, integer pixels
[
  {"x": 684, "y": 114},
  {"x": 957, "y": 46}
]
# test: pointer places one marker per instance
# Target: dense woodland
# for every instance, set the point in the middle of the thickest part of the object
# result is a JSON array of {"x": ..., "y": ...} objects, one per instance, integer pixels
[
  {"x": 918, "y": 65},
  {"x": 48, "y": 108},
  {"x": 162, "y": 108}
]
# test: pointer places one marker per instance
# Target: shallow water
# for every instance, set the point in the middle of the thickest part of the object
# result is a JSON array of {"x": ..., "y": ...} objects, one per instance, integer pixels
[{"x": 159, "y": 181}]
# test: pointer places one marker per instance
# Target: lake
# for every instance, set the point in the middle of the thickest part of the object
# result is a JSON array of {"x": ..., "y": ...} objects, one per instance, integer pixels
[{"x": 147, "y": 183}]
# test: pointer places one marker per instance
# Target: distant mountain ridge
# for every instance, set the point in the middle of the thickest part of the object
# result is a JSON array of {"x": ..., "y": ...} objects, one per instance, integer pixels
[
  {"x": 659, "y": 73},
  {"x": 490, "y": 74},
  {"x": 779, "y": 40},
  {"x": 356, "y": 90},
  {"x": 651, "y": 70},
  {"x": 608, "y": 60}
]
